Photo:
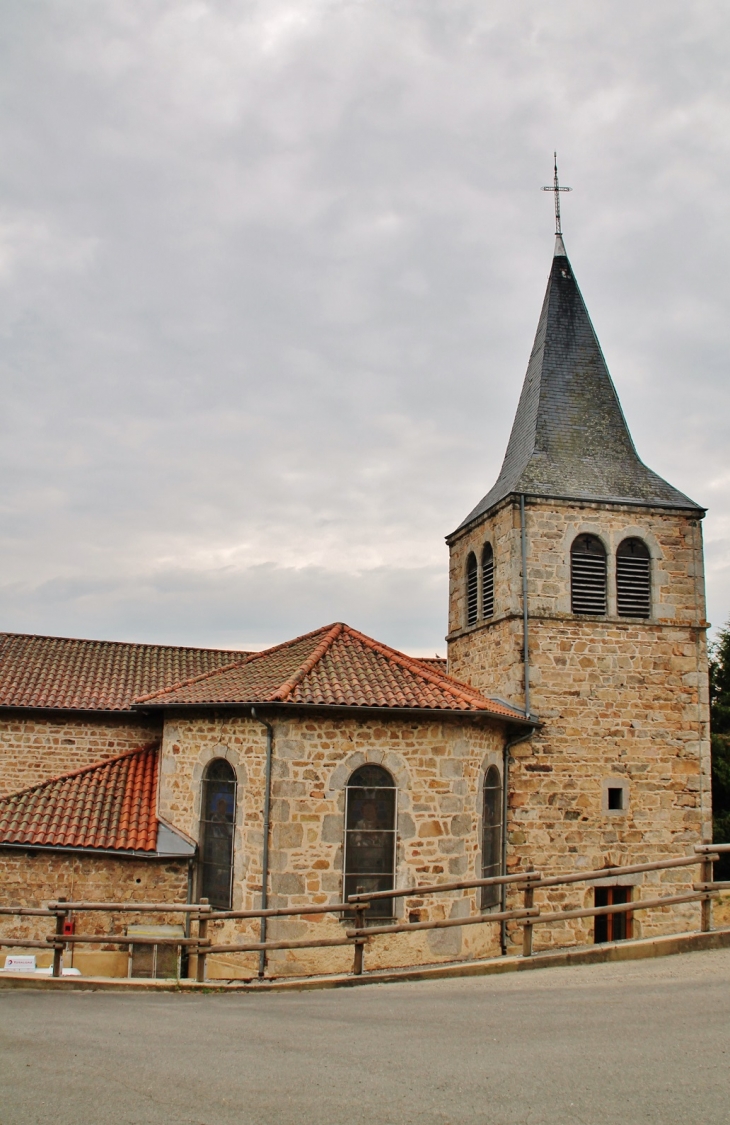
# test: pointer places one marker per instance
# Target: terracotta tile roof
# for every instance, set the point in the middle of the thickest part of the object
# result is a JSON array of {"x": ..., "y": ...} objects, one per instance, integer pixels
[
  {"x": 334, "y": 666},
  {"x": 438, "y": 662},
  {"x": 110, "y": 805},
  {"x": 94, "y": 675}
]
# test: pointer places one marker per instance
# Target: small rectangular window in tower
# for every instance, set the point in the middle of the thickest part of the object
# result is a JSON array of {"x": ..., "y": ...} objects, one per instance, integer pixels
[
  {"x": 615, "y": 797},
  {"x": 613, "y": 927}
]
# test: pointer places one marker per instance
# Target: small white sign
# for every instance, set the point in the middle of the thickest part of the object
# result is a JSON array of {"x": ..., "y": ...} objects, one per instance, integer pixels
[{"x": 20, "y": 963}]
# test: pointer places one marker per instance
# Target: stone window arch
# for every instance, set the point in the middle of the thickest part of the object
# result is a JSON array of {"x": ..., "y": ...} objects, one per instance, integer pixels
[
  {"x": 472, "y": 589},
  {"x": 491, "y": 835},
  {"x": 487, "y": 581},
  {"x": 588, "y": 585},
  {"x": 633, "y": 578},
  {"x": 217, "y": 827},
  {"x": 370, "y": 835}
]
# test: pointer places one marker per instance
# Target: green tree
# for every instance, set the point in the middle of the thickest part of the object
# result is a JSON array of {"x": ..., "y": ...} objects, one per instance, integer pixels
[{"x": 720, "y": 727}]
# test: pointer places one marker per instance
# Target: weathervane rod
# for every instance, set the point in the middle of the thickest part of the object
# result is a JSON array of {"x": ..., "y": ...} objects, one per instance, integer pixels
[{"x": 556, "y": 188}]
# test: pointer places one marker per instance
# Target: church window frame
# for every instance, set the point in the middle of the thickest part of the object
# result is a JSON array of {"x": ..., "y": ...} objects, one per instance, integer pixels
[
  {"x": 218, "y": 808},
  {"x": 371, "y": 836},
  {"x": 487, "y": 576},
  {"x": 472, "y": 589},
  {"x": 588, "y": 576},
  {"x": 613, "y": 927},
  {"x": 633, "y": 578},
  {"x": 492, "y": 836}
]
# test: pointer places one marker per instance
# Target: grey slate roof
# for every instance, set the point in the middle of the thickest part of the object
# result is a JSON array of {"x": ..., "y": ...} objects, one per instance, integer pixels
[{"x": 569, "y": 437}]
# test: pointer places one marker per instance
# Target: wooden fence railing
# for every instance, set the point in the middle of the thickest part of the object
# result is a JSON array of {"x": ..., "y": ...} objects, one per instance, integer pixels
[{"x": 359, "y": 933}]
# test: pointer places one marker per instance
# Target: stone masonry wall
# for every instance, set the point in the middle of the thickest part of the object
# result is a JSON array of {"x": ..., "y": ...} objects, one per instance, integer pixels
[
  {"x": 438, "y": 767},
  {"x": 35, "y": 747},
  {"x": 35, "y": 877},
  {"x": 621, "y": 700}
]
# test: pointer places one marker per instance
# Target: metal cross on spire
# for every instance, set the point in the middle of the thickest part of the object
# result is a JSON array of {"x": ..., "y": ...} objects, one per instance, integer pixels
[{"x": 556, "y": 188}]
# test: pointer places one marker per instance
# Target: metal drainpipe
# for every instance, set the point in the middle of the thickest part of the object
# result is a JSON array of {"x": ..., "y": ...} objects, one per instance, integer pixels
[
  {"x": 267, "y": 821},
  {"x": 525, "y": 631},
  {"x": 505, "y": 800}
]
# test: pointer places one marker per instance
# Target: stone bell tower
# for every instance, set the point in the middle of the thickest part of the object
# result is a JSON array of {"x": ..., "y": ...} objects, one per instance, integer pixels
[{"x": 601, "y": 633}]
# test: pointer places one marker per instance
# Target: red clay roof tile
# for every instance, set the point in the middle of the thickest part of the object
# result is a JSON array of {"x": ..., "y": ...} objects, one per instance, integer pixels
[
  {"x": 111, "y": 805},
  {"x": 335, "y": 666},
  {"x": 61, "y": 672}
]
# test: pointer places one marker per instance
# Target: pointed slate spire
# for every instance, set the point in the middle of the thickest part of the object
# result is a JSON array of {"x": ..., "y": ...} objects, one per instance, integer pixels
[{"x": 569, "y": 438}]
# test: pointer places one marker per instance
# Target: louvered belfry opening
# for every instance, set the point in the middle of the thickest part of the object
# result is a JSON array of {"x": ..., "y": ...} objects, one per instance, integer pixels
[
  {"x": 487, "y": 581},
  {"x": 472, "y": 590},
  {"x": 633, "y": 579},
  {"x": 588, "y": 575}
]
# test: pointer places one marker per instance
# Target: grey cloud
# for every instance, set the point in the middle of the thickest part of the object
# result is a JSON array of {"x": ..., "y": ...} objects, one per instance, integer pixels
[
  {"x": 254, "y": 607},
  {"x": 269, "y": 277}
]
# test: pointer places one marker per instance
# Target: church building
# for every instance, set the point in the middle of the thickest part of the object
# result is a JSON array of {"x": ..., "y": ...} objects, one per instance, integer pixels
[{"x": 569, "y": 731}]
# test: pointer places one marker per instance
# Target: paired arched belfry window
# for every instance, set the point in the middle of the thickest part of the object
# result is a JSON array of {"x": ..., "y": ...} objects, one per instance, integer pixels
[
  {"x": 633, "y": 579},
  {"x": 487, "y": 581},
  {"x": 588, "y": 575},
  {"x": 370, "y": 827},
  {"x": 218, "y": 820},
  {"x": 491, "y": 835},
  {"x": 472, "y": 590}
]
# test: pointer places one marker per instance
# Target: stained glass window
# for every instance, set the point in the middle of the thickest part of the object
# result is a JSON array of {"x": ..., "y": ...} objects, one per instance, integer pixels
[
  {"x": 217, "y": 828},
  {"x": 492, "y": 836},
  {"x": 370, "y": 836}
]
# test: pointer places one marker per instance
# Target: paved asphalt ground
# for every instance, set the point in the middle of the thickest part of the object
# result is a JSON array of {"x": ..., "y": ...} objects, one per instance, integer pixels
[{"x": 638, "y": 1042}]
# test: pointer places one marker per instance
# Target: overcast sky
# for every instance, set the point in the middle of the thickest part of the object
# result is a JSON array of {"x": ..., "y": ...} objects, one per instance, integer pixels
[{"x": 269, "y": 278}]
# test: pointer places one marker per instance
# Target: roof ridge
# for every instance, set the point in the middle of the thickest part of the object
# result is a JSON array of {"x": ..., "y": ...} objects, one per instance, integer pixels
[
  {"x": 443, "y": 680},
  {"x": 314, "y": 657},
  {"x": 151, "y": 746},
  {"x": 249, "y": 659}
]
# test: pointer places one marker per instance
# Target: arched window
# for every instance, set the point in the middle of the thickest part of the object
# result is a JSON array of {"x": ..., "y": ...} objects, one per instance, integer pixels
[
  {"x": 370, "y": 836},
  {"x": 487, "y": 580},
  {"x": 588, "y": 575},
  {"x": 217, "y": 827},
  {"x": 491, "y": 835},
  {"x": 633, "y": 579},
  {"x": 472, "y": 590}
]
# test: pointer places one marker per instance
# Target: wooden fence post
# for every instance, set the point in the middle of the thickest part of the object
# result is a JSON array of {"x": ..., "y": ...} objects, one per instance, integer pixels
[
  {"x": 357, "y": 965},
  {"x": 706, "y": 877},
  {"x": 527, "y": 926},
  {"x": 202, "y": 934},
  {"x": 58, "y": 946}
]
